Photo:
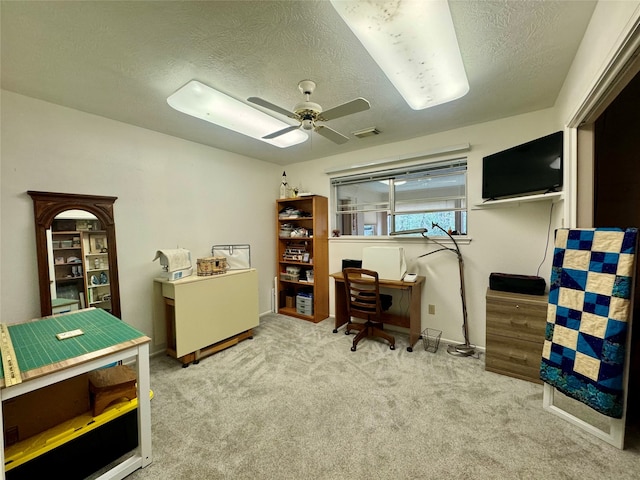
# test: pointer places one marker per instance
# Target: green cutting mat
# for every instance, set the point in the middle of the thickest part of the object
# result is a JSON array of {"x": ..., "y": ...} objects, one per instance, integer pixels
[{"x": 36, "y": 344}]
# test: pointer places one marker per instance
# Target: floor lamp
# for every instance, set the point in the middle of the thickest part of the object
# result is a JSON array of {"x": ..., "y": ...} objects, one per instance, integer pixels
[{"x": 463, "y": 349}]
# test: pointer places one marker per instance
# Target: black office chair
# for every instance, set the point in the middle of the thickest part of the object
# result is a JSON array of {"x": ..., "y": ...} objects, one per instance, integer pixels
[{"x": 364, "y": 301}]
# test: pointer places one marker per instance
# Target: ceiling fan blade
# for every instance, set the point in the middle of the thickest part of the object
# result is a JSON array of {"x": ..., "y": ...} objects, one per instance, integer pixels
[
  {"x": 354, "y": 106},
  {"x": 271, "y": 106},
  {"x": 281, "y": 132},
  {"x": 331, "y": 134}
]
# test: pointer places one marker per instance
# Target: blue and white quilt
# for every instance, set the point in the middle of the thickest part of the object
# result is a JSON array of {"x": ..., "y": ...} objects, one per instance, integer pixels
[{"x": 588, "y": 316}]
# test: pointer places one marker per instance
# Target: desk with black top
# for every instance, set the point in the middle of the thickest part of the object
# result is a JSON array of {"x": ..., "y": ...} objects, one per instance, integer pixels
[
  {"x": 42, "y": 360},
  {"x": 412, "y": 321}
]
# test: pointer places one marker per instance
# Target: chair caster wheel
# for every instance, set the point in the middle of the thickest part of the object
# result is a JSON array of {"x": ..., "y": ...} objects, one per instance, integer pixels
[
  {"x": 347, "y": 332},
  {"x": 335, "y": 330},
  {"x": 409, "y": 349},
  {"x": 353, "y": 349},
  {"x": 392, "y": 347}
]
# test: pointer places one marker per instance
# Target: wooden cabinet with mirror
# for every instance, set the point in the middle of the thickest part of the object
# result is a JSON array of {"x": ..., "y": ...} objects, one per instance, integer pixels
[{"x": 76, "y": 250}]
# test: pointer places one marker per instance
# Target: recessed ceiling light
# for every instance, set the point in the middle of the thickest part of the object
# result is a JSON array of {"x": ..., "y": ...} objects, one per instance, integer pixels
[
  {"x": 201, "y": 101},
  {"x": 414, "y": 43}
]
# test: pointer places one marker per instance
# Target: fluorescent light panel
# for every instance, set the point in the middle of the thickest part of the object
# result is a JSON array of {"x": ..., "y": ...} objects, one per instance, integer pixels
[
  {"x": 414, "y": 43},
  {"x": 201, "y": 101}
]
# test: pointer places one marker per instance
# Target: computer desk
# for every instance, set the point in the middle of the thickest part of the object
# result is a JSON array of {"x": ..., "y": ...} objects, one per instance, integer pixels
[{"x": 412, "y": 321}]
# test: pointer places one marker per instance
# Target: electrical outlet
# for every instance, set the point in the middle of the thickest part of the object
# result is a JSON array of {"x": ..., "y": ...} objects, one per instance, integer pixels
[{"x": 432, "y": 309}]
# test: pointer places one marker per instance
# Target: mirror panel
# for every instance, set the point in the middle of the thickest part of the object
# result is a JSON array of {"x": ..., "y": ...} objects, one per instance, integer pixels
[
  {"x": 78, "y": 262},
  {"x": 76, "y": 250}
]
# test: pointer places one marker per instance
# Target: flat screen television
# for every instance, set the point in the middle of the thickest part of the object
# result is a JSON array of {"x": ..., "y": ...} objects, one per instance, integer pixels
[{"x": 533, "y": 167}]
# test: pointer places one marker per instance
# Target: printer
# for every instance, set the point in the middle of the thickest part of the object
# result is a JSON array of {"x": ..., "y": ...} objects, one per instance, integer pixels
[
  {"x": 176, "y": 263},
  {"x": 389, "y": 262}
]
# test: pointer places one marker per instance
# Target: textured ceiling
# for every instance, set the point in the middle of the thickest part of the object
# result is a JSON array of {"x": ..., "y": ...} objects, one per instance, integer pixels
[{"x": 122, "y": 59}]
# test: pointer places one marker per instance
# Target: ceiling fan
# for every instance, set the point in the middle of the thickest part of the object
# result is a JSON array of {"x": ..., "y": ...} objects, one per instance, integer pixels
[{"x": 308, "y": 113}]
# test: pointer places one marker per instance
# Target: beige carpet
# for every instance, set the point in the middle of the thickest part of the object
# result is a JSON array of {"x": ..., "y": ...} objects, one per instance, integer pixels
[{"x": 295, "y": 403}]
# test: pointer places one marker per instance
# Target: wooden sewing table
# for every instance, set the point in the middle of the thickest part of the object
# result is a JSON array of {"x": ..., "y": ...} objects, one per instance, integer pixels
[{"x": 44, "y": 360}]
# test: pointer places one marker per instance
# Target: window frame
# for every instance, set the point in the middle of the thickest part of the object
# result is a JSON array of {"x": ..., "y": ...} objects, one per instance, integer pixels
[{"x": 439, "y": 168}]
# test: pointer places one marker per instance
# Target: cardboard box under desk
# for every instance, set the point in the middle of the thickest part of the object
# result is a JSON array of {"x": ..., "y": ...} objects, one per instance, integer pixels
[{"x": 37, "y": 411}]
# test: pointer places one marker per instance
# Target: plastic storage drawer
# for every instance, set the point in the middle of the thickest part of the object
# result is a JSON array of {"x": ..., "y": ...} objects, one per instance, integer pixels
[{"x": 304, "y": 304}]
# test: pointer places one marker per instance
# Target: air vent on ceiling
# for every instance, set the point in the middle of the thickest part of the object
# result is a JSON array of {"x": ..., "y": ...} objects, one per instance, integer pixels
[{"x": 366, "y": 132}]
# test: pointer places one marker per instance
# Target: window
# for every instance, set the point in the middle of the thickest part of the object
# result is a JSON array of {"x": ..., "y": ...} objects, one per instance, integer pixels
[{"x": 403, "y": 199}]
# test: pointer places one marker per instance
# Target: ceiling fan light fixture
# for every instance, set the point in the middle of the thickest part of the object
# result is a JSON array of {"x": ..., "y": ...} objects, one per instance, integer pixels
[
  {"x": 414, "y": 43},
  {"x": 203, "y": 102},
  {"x": 308, "y": 113}
]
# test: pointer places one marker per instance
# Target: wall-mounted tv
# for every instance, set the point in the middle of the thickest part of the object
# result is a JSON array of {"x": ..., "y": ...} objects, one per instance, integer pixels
[{"x": 533, "y": 167}]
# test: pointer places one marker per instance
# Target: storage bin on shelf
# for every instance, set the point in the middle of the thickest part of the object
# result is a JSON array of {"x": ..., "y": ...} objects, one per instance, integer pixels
[
  {"x": 309, "y": 275},
  {"x": 285, "y": 230},
  {"x": 304, "y": 303},
  {"x": 288, "y": 277},
  {"x": 292, "y": 274}
]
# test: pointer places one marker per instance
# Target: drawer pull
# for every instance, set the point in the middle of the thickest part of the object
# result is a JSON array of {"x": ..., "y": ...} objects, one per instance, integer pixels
[
  {"x": 518, "y": 358},
  {"x": 517, "y": 306},
  {"x": 516, "y": 323}
]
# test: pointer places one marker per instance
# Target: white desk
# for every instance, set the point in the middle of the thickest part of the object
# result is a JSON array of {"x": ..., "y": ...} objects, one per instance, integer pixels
[
  {"x": 36, "y": 378},
  {"x": 204, "y": 314}
]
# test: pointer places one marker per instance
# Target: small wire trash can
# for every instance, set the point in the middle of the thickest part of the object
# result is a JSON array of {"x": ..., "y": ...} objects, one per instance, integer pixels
[{"x": 431, "y": 339}]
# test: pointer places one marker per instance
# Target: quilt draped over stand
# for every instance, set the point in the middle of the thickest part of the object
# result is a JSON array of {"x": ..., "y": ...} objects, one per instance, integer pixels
[{"x": 588, "y": 316}]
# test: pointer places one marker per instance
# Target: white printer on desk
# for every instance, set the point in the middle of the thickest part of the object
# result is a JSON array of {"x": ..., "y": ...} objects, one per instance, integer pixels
[{"x": 176, "y": 263}]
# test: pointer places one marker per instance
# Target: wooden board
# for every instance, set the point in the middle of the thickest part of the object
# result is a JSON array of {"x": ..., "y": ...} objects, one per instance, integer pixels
[
  {"x": 9, "y": 365},
  {"x": 38, "y": 350}
]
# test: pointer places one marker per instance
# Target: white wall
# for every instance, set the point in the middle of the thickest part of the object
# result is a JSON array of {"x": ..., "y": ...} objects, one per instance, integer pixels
[
  {"x": 510, "y": 240},
  {"x": 611, "y": 22},
  {"x": 170, "y": 193}
]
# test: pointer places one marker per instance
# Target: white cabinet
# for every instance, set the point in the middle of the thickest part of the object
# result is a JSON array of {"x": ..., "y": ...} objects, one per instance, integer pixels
[{"x": 205, "y": 314}]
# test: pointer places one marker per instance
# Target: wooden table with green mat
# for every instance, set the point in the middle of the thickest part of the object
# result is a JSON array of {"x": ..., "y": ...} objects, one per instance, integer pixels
[{"x": 48, "y": 350}]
